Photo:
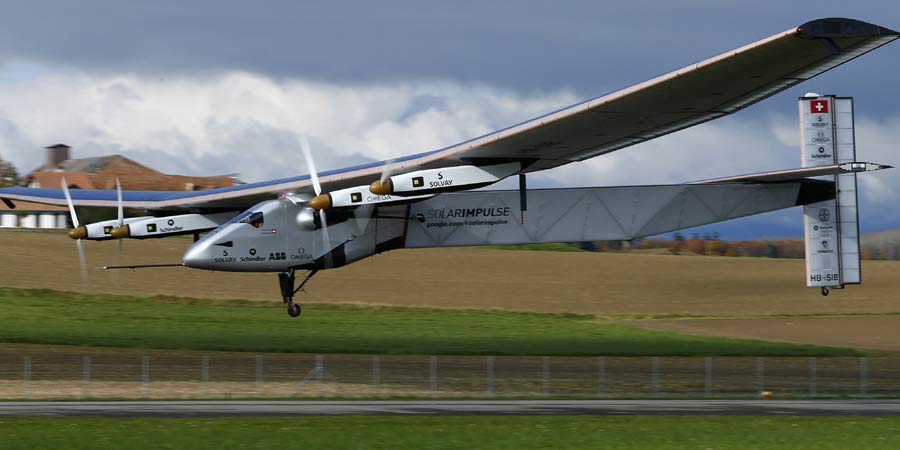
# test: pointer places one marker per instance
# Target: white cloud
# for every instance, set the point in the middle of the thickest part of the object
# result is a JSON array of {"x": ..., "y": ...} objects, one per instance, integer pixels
[
  {"x": 248, "y": 123},
  {"x": 730, "y": 146},
  {"x": 207, "y": 122}
]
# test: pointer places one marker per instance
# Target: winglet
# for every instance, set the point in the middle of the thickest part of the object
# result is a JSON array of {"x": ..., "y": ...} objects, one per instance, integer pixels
[{"x": 840, "y": 27}]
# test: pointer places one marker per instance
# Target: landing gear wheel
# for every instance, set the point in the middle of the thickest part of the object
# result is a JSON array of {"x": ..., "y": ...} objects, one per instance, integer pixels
[
  {"x": 286, "y": 283},
  {"x": 825, "y": 291}
]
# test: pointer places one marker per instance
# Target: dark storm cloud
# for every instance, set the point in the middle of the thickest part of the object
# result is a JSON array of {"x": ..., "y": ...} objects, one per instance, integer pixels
[{"x": 528, "y": 46}]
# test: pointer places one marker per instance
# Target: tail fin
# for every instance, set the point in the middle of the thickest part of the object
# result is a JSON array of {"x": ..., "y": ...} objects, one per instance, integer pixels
[{"x": 831, "y": 226}]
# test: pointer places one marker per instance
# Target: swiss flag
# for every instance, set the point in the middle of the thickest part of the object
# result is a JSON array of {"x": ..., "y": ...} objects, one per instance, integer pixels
[{"x": 818, "y": 106}]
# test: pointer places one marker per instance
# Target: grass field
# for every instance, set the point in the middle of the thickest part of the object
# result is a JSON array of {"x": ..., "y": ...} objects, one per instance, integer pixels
[
  {"x": 571, "y": 432},
  {"x": 50, "y": 317},
  {"x": 604, "y": 284}
]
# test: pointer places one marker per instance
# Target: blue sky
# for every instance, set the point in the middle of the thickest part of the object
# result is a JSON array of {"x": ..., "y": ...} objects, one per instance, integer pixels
[{"x": 213, "y": 87}]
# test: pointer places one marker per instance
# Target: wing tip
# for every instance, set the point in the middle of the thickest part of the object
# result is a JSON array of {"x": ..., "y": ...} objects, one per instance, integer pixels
[{"x": 841, "y": 27}]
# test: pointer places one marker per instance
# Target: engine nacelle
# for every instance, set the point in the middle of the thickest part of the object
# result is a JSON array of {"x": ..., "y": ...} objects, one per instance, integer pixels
[
  {"x": 448, "y": 179},
  {"x": 100, "y": 231},
  {"x": 158, "y": 227},
  {"x": 357, "y": 196}
]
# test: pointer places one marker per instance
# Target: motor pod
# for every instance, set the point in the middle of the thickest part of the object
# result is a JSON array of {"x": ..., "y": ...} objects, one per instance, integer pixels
[
  {"x": 353, "y": 197},
  {"x": 99, "y": 231},
  {"x": 447, "y": 179},
  {"x": 158, "y": 227}
]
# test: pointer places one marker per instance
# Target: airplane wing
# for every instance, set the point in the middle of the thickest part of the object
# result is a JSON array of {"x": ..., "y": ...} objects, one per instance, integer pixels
[{"x": 698, "y": 93}]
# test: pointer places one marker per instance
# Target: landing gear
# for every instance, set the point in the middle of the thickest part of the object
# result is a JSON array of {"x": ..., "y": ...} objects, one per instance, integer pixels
[
  {"x": 825, "y": 291},
  {"x": 286, "y": 282}
]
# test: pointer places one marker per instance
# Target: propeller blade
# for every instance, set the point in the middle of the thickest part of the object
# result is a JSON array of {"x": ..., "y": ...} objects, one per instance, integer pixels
[
  {"x": 327, "y": 239},
  {"x": 120, "y": 209},
  {"x": 363, "y": 214},
  {"x": 117, "y": 260},
  {"x": 310, "y": 164},
  {"x": 82, "y": 262},
  {"x": 65, "y": 188},
  {"x": 314, "y": 177},
  {"x": 386, "y": 170},
  {"x": 120, "y": 215}
]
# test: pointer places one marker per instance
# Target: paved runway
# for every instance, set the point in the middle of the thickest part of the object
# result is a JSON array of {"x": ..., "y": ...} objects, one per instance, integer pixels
[{"x": 518, "y": 407}]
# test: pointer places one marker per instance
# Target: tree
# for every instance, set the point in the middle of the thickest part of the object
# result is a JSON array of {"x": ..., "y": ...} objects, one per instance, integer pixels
[{"x": 8, "y": 174}]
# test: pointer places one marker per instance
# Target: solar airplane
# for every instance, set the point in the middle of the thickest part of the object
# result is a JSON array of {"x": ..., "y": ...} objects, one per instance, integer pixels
[{"x": 331, "y": 219}]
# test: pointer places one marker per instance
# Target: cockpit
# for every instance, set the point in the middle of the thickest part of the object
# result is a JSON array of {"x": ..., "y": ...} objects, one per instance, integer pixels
[
  {"x": 255, "y": 219},
  {"x": 249, "y": 241}
]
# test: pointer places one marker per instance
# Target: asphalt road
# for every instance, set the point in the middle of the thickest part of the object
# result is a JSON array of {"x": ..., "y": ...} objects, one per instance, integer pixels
[{"x": 519, "y": 407}]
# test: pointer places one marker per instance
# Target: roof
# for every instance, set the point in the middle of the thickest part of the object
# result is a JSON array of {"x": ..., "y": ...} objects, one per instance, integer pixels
[
  {"x": 85, "y": 165},
  {"x": 101, "y": 172}
]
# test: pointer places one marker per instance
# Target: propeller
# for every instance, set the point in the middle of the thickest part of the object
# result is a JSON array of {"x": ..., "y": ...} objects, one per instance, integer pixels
[
  {"x": 386, "y": 171},
  {"x": 383, "y": 186},
  {"x": 78, "y": 233},
  {"x": 317, "y": 187},
  {"x": 121, "y": 222}
]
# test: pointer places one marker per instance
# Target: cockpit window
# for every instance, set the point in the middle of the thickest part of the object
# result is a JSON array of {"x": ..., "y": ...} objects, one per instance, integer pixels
[
  {"x": 254, "y": 219},
  {"x": 239, "y": 218}
]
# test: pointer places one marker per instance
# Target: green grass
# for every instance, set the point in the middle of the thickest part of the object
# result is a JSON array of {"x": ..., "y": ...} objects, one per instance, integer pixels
[
  {"x": 49, "y": 317},
  {"x": 566, "y": 432}
]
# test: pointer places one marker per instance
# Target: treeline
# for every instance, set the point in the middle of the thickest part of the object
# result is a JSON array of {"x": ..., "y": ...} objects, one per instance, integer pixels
[{"x": 711, "y": 245}]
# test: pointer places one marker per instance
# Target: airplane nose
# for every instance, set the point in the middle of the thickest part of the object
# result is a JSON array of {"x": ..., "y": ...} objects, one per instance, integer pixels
[{"x": 198, "y": 256}]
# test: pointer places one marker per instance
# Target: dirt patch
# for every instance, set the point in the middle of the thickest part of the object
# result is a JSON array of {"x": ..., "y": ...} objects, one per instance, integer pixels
[
  {"x": 479, "y": 278},
  {"x": 38, "y": 390},
  {"x": 864, "y": 333}
]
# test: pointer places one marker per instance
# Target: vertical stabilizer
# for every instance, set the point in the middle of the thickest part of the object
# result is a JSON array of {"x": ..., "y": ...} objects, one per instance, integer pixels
[{"x": 831, "y": 226}]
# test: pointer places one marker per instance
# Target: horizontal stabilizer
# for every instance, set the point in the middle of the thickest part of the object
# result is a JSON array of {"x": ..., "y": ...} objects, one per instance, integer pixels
[{"x": 797, "y": 174}]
